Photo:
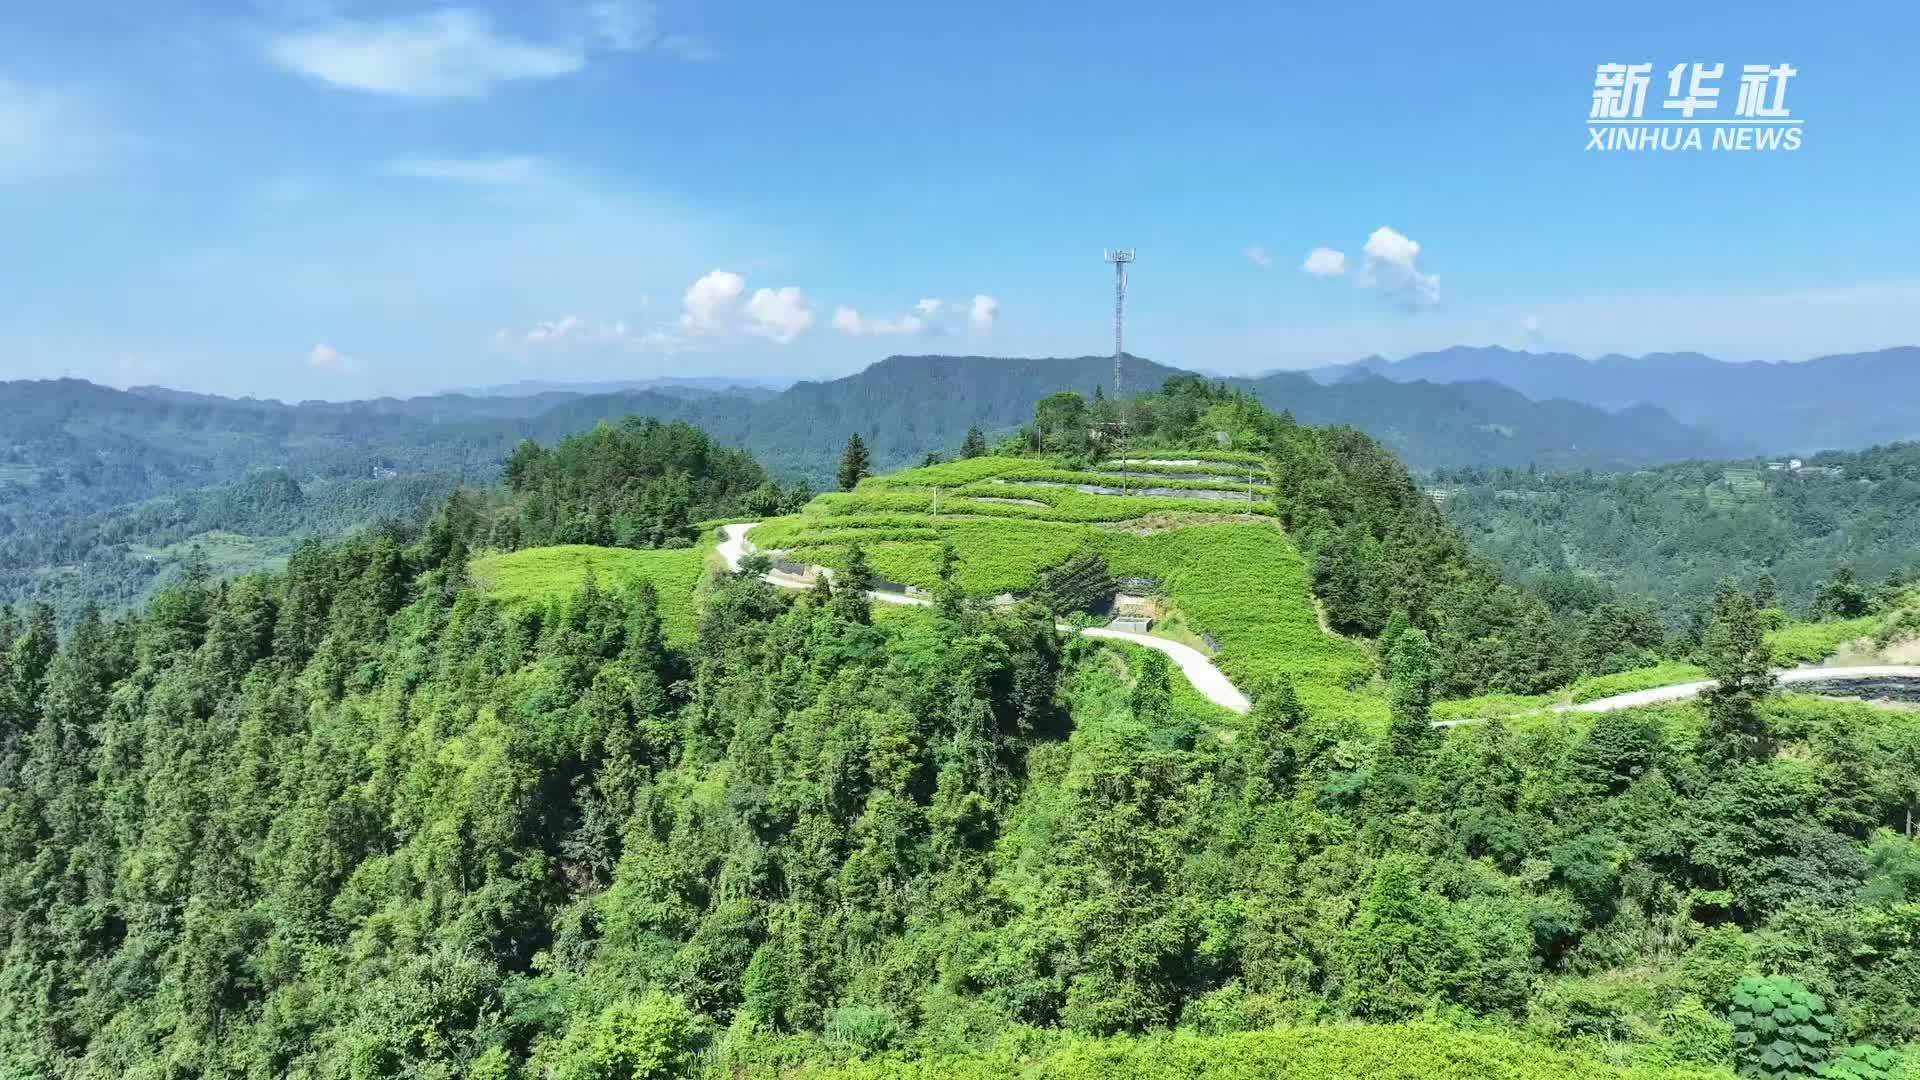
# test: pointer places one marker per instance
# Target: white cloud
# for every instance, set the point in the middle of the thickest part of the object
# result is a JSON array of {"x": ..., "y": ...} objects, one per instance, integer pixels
[
  {"x": 1392, "y": 265},
  {"x": 451, "y": 53},
  {"x": 1325, "y": 262},
  {"x": 1386, "y": 245},
  {"x": 324, "y": 357},
  {"x": 516, "y": 169},
  {"x": 983, "y": 312},
  {"x": 1530, "y": 326},
  {"x": 1259, "y": 256},
  {"x": 779, "y": 315},
  {"x": 930, "y": 307},
  {"x": 709, "y": 298},
  {"x": 50, "y": 133},
  {"x": 849, "y": 321}
]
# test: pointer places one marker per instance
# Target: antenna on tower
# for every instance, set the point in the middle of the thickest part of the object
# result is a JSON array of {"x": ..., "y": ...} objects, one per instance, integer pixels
[{"x": 1120, "y": 258}]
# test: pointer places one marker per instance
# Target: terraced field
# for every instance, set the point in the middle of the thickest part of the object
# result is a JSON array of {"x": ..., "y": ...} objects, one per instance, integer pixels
[{"x": 1197, "y": 525}]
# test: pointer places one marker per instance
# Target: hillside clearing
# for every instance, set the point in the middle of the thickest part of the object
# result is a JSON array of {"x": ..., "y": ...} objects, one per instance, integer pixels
[{"x": 552, "y": 575}]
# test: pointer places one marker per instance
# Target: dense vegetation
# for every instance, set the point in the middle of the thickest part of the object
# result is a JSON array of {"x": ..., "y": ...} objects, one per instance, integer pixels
[
  {"x": 637, "y": 484},
  {"x": 364, "y": 819},
  {"x": 1672, "y": 533}
]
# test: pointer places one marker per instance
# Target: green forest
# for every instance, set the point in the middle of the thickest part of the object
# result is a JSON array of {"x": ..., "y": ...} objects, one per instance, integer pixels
[
  {"x": 392, "y": 812},
  {"x": 1673, "y": 532}
]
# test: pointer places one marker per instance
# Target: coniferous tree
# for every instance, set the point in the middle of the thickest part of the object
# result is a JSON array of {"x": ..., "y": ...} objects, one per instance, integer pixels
[
  {"x": 1410, "y": 734},
  {"x": 1737, "y": 657},
  {"x": 854, "y": 463},
  {"x": 33, "y": 652},
  {"x": 948, "y": 596},
  {"x": 1397, "y": 624},
  {"x": 1274, "y": 724},
  {"x": 975, "y": 444},
  {"x": 850, "y": 600}
]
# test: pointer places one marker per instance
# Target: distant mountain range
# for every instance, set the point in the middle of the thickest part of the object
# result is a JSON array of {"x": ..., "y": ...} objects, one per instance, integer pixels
[
  {"x": 151, "y": 441},
  {"x": 677, "y": 386},
  {"x": 905, "y": 406},
  {"x": 1842, "y": 402}
]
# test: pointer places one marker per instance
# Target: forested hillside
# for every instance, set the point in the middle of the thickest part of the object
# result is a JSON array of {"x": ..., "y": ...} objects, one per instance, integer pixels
[
  {"x": 384, "y": 815},
  {"x": 1671, "y": 533}
]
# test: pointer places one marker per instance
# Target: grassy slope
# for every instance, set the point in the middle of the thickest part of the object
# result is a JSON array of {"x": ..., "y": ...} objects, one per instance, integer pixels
[{"x": 553, "y": 574}]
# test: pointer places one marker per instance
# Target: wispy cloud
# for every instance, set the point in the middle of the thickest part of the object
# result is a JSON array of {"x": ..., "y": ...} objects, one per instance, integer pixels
[
  {"x": 451, "y": 53},
  {"x": 506, "y": 169},
  {"x": 571, "y": 332},
  {"x": 849, "y": 321},
  {"x": 931, "y": 316},
  {"x": 1258, "y": 255},
  {"x": 49, "y": 133},
  {"x": 459, "y": 52}
]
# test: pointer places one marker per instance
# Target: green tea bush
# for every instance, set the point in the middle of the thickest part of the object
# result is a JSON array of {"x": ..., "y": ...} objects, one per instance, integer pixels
[
  {"x": 1177, "y": 466},
  {"x": 550, "y": 576}
]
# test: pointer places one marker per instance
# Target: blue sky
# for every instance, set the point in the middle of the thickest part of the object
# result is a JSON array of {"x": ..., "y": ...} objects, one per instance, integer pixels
[{"x": 333, "y": 199}]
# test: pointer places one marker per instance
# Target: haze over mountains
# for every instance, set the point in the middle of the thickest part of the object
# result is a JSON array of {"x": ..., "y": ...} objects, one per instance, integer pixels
[{"x": 1843, "y": 401}]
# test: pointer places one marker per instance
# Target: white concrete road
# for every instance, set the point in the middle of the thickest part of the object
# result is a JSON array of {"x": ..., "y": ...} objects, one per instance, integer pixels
[
  {"x": 1211, "y": 681},
  {"x": 1199, "y": 670},
  {"x": 1787, "y": 677},
  {"x": 1193, "y": 663}
]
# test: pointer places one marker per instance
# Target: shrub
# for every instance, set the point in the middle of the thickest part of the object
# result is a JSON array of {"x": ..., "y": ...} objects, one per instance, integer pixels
[
  {"x": 865, "y": 1029},
  {"x": 653, "y": 1038},
  {"x": 1780, "y": 1028},
  {"x": 1690, "y": 1032},
  {"x": 1713, "y": 967}
]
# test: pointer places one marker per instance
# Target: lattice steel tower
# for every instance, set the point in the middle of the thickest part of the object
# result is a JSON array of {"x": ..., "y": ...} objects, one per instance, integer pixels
[{"x": 1119, "y": 257}]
